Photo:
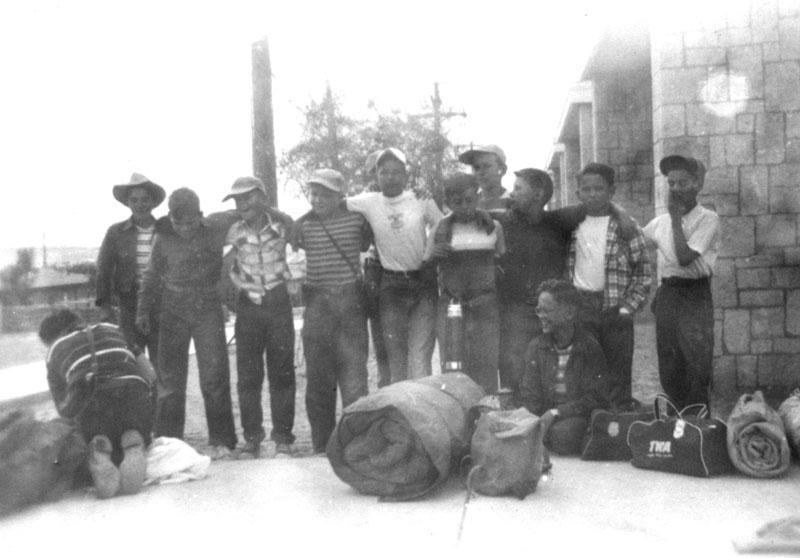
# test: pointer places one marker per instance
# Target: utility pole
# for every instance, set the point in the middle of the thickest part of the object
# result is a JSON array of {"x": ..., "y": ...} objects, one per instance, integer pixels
[{"x": 263, "y": 131}]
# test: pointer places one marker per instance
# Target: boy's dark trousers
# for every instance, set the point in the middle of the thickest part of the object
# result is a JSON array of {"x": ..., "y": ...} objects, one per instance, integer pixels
[
  {"x": 519, "y": 324},
  {"x": 481, "y": 338},
  {"x": 127, "y": 323},
  {"x": 198, "y": 316},
  {"x": 266, "y": 327},
  {"x": 685, "y": 339},
  {"x": 614, "y": 332},
  {"x": 335, "y": 345}
]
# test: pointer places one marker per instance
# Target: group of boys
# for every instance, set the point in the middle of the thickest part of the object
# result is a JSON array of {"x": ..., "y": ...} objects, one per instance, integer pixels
[{"x": 518, "y": 272}]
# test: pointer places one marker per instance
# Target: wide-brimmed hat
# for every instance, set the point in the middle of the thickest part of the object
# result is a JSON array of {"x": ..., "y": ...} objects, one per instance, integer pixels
[
  {"x": 245, "y": 184},
  {"x": 137, "y": 180},
  {"x": 468, "y": 157},
  {"x": 330, "y": 179}
]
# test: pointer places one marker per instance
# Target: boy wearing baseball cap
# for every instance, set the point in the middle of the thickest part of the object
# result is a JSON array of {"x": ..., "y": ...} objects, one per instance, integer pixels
[
  {"x": 335, "y": 341},
  {"x": 687, "y": 240},
  {"x": 488, "y": 164}
]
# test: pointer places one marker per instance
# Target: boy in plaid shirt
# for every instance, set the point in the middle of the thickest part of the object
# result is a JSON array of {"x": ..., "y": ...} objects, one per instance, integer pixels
[{"x": 610, "y": 267}]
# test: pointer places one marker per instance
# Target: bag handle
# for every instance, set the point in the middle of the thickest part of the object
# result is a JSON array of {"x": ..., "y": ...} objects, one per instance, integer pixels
[{"x": 702, "y": 408}]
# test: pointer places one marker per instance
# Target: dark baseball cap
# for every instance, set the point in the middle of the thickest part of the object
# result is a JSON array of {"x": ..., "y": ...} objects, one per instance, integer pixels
[{"x": 691, "y": 165}]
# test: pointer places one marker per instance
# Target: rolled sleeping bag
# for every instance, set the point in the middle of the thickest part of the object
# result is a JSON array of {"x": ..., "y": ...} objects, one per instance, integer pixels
[{"x": 757, "y": 442}]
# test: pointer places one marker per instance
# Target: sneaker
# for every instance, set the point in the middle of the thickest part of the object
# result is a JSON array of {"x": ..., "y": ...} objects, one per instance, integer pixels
[
  {"x": 220, "y": 453},
  {"x": 104, "y": 473},
  {"x": 133, "y": 468},
  {"x": 283, "y": 450},
  {"x": 250, "y": 450}
]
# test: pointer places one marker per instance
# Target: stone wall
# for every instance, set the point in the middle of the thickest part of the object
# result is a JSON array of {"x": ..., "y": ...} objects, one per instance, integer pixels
[{"x": 726, "y": 89}]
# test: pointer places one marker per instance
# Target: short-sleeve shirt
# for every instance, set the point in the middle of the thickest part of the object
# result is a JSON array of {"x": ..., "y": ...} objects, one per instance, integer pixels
[
  {"x": 702, "y": 231},
  {"x": 400, "y": 225}
]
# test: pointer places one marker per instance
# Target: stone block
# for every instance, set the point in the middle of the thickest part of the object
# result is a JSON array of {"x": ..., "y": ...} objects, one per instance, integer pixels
[
  {"x": 754, "y": 278},
  {"x": 704, "y": 56},
  {"x": 724, "y": 376},
  {"x": 767, "y": 323},
  {"x": 717, "y": 337},
  {"x": 793, "y": 312},
  {"x": 673, "y": 121},
  {"x": 776, "y": 230},
  {"x": 746, "y": 62},
  {"x": 681, "y": 85},
  {"x": 745, "y": 123},
  {"x": 771, "y": 52},
  {"x": 726, "y": 204},
  {"x": 754, "y": 190},
  {"x": 761, "y": 346},
  {"x": 746, "y": 369},
  {"x": 782, "y": 85},
  {"x": 760, "y": 260},
  {"x": 723, "y": 287},
  {"x": 778, "y": 369},
  {"x": 791, "y": 255},
  {"x": 700, "y": 121},
  {"x": 739, "y": 149},
  {"x": 759, "y": 298},
  {"x": 792, "y": 151},
  {"x": 784, "y": 199},
  {"x": 735, "y": 36},
  {"x": 722, "y": 180},
  {"x": 787, "y": 277},
  {"x": 770, "y": 138},
  {"x": 698, "y": 38},
  {"x": 789, "y": 31},
  {"x": 786, "y": 345},
  {"x": 784, "y": 175},
  {"x": 736, "y": 331},
  {"x": 738, "y": 236}
]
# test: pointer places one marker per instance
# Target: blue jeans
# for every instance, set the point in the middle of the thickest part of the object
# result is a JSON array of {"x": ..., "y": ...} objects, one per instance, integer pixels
[
  {"x": 408, "y": 318},
  {"x": 194, "y": 317},
  {"x": 268, "y": 327},
  {"x": 335, "y": 345}
]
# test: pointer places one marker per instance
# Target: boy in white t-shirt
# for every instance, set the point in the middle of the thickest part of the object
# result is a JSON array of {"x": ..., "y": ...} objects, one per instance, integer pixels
[
  {"x": 466, "y": 243},
  {"x": 400, "y": 223},
  {"x": 609, "y": 266},
  {"x": 687, "y": 239}
]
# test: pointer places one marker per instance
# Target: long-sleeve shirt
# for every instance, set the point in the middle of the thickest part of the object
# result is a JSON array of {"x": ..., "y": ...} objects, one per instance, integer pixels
[{"x": 627, "y": 268}]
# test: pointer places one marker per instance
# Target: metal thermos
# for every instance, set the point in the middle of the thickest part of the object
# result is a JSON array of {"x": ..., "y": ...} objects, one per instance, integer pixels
[{"x": 454, "y": 338}]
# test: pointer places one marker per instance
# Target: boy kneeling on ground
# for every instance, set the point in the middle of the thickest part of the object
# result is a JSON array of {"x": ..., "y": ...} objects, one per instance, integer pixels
[
  {"x": 565, "y": 369},
  {"x": 96, "y": 379}
]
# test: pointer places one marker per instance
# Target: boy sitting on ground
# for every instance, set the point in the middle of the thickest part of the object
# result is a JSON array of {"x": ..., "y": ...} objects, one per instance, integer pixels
[
  {"x": 565, "y": 372},
  {"x": 465, "y": 245},
  {"x": 96, "y": 379}
]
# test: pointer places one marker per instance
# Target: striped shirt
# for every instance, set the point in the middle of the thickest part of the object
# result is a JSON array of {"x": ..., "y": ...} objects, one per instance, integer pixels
[
  {"x": 69, "y": 364},
  {"x": 144, "y": 246},
  {"x": 260, "y": 263},
  {"x": 325, "y": 265},
  {"x": 627, "y": 268}
]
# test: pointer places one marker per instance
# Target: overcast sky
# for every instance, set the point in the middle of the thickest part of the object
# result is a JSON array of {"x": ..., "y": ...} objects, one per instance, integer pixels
[{"x": 93, "y": 91}]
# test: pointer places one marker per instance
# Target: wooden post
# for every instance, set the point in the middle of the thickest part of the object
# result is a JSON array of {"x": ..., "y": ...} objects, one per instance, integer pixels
[{"x": 263, "y": 131}]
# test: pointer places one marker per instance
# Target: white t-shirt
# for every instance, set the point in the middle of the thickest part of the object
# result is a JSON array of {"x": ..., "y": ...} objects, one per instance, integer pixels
[
  {"x": 400, "y": 226},
  {"x": 467, "y": 236},
  {"x": 702, "y": 231},
  {"x": 590, "y": 253}
]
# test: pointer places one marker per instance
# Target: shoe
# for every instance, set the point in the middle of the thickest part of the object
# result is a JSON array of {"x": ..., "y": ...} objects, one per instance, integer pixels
[
  {"x": 250, "y": 450},
  {"x": 104, "y": 473},
  {"x": 283, "y": 450},
  {"x": 220, "y": 453},
  {"x": 133, "y": 468}
]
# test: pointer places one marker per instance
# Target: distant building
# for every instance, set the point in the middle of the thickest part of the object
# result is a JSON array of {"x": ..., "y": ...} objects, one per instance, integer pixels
[
  {"x": 725, "y": 88},
  {"x": 52, "y": 286}
]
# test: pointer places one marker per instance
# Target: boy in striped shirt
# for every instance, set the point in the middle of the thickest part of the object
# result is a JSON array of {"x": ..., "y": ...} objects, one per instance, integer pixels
[{"x": 335, "y": 321}]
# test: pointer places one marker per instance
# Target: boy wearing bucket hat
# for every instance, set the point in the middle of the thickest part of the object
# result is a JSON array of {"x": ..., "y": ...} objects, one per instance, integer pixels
[
  {"x": 335, "y": 340},
  {"x": 687, "y": 240},
  {"x": 264, "y": 318},
  {"x": 123, "y": 258},
  {"x": 408, "y": 292},
  {"x": 488, "y": 164}
]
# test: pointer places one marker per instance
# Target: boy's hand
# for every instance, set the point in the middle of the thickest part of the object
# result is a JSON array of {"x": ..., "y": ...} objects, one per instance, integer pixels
[
  {"x": 143, "y": 324},
  {"x": 441, "y": 250},
  {"x": 108, "y": 315}
]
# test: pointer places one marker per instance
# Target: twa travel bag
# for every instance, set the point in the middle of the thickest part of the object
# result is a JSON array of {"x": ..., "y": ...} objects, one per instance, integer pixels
[
  {"x": 686, "y": 443},
  {"x": 607, "y": 435}
]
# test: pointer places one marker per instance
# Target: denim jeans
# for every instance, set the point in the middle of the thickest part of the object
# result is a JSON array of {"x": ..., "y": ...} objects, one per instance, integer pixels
[
  {"x": 408, "y": 318},
  {"x": 335, "y": 345},
  {"x": 518, "y": 326},
  {"x": 266, "y": 327},
  {"x": 198, "y": 318},
  {"x": 480, "y": 340}
]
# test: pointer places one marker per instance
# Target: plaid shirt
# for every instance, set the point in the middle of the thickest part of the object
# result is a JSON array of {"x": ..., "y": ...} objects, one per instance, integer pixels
[{"x": 628, "y": 271}]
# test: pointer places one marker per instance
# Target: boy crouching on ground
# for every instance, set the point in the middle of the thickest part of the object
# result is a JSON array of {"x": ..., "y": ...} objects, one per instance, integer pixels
[
  {"x": 185, "y": 267},
  {"x": 465, "y": 245},
  {"x": 565, "y": 372},
  {"x": 335, "y": 337}
]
